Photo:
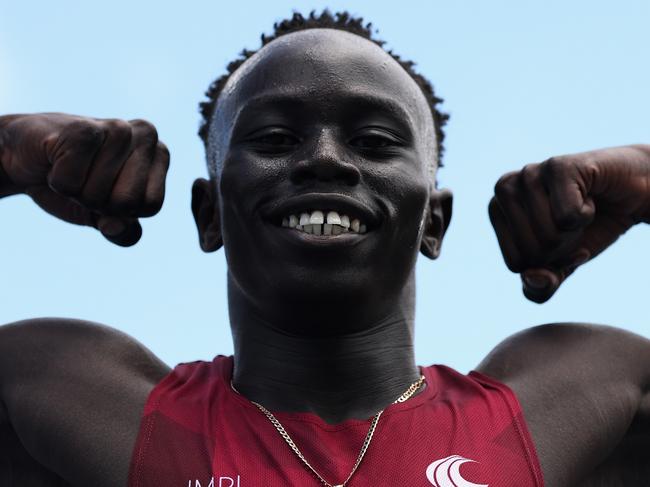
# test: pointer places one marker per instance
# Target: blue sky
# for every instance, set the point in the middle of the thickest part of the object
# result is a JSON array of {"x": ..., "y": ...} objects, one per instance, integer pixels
[{"x": 523, "y": 81}]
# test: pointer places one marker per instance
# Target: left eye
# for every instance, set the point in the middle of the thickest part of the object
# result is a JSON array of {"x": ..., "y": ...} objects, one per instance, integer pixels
[
  {"x": 371, "y": 142},
  {"x": 375, "y": 140}
]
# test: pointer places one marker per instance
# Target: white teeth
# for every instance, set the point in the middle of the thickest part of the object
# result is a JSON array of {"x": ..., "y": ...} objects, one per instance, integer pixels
[
  {"x": 333, "y": 218},
  {"x": 319, "y": 222},
  {"x": 316, "y": 217}
]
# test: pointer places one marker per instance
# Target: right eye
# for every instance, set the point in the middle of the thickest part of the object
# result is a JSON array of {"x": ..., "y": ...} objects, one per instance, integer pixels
[{"x": 274, "y": 142}]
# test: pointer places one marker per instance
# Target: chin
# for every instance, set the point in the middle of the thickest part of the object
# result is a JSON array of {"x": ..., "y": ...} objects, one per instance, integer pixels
[{"x": 323, "y": 287}]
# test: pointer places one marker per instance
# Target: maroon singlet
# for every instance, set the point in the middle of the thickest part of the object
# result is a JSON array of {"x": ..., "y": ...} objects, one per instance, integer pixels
[{"x": 460, "y": 431}]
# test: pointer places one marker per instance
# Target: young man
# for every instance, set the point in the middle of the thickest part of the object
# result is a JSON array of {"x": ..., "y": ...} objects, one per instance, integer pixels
[{"x": 322, "y": 151}]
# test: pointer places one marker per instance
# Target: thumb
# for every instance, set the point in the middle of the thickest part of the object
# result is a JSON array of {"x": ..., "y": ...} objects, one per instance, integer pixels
[
  {"x": 540, "y": 284},
  {"x": 120, "y": 231}
]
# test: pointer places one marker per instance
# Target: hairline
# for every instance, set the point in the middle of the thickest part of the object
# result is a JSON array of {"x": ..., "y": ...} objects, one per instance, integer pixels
[{"x": 245, "y": 68}]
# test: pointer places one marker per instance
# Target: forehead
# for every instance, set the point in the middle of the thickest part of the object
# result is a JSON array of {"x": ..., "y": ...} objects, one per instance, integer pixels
[{"x": 323, "y": 66}]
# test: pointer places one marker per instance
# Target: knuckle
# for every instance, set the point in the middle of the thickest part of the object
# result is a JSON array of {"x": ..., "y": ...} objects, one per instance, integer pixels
[
  {"x": 118, "y": 128},
  {"x": 590, "y": 170},
  {"x": 85, "y": 133},
  {"x": 161, "y": 159},
  {"x": 146, "y": 132},
  {"x": 116, "y": 125},
  {"x": 555, "y": 167},
  {"x": 164, "y": 152},
  {"x": 530, "y": 174},
  {"x": 493, "y": 208},
  {"x": 118, "y": 140},
  {"x": 505, "y": 187}
]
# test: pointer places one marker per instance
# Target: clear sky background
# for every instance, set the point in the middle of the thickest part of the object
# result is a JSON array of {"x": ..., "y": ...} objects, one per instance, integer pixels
[{"x": 522, "y": 80}]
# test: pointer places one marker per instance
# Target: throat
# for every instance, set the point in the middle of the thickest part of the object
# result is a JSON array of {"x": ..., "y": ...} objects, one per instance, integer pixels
[
  {"x": 336, "y": 378},
  {"x": 361, "y": 366}
]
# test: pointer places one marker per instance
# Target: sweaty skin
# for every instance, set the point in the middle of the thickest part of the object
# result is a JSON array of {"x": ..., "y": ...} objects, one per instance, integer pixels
[{"x": 320, "y": 119}]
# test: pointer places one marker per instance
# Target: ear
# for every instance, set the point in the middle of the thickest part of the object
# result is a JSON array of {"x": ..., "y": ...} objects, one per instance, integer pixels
[
  {"x": 436, "y": 222},
  {"x": 205, "y": 208}
]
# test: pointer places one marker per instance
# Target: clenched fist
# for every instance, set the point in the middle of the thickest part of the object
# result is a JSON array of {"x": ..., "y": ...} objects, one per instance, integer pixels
[
  {"x": 101, "y": 173},
  {"x": 554, "y": 216}
]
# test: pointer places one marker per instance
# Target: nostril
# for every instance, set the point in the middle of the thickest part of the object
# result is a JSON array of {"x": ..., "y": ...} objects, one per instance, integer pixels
[
  {"x": 353, "y": 177},
  {"x": 325, "y": 170},
  {"x": 301, "y": 173}
]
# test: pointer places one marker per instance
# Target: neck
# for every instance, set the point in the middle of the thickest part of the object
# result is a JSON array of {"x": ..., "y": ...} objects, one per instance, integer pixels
[{"x": 338, "y": 377}]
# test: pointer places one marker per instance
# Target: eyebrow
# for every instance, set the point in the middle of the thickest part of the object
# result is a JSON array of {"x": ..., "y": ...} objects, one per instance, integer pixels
[{"x": 357, "y": 99}]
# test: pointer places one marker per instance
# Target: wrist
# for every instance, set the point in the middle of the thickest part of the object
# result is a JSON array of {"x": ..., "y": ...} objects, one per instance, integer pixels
[
  {"x": 645, "y": 150},
  {"x": 7, "y": 186}
]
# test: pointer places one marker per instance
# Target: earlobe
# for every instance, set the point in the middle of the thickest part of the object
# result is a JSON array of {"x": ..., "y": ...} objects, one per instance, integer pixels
[
  {"x": 436, "y": 222},
  {"x": 205, "y": 208}
]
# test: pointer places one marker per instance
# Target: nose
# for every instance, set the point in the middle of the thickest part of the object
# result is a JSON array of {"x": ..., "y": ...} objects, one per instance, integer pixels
[{"x": 325, "y": 161}]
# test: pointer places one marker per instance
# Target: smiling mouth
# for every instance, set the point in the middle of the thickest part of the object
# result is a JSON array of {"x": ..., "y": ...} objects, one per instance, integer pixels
[{"x": 323, "y": 222}]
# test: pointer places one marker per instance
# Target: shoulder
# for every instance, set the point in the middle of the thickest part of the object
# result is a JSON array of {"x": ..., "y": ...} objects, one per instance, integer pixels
[
  {"x": 570, "y": 351},
  {"x": 48, "y": 356},
  {"x": 580, "y": 387},
  {"x": 59, "y": 339},
  {"x": 74, "y": 389}
]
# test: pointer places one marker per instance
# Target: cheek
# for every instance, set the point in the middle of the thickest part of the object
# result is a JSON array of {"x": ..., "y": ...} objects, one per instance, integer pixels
[
  {"x": 244, "y": 178},
  {"x": 406, "y": 193},
  {"x": 242, "y": 175},
  {"x": 241, "y": 180},
  {"x": 407, "y": 202}
]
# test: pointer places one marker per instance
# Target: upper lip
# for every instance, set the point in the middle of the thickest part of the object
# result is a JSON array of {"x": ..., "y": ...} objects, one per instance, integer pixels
[{"x": 341, "y": 203}]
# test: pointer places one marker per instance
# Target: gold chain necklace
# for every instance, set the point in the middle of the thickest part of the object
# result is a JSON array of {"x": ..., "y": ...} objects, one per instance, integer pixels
[{"x": 366, "y": 443}]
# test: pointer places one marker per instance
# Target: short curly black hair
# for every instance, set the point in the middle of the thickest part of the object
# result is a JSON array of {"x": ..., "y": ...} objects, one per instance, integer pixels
[{"x": 341, "y": 21}]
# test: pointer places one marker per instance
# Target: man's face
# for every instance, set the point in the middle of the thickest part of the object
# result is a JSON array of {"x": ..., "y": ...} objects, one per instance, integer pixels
[{"x": 322, "y": 121}]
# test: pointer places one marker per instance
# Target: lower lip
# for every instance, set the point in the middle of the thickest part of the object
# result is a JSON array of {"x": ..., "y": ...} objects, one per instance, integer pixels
[{"x": 343, "y": 239}]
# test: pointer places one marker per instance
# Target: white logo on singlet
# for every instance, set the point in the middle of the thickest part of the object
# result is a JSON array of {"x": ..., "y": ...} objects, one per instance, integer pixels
[
  {"x": 216, "y": 482},
  {"x": 446, "y": 473}
]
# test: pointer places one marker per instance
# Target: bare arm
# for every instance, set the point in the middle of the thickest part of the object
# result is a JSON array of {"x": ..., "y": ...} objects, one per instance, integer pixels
[
  {"x": 72, "y": 391},
  {"x": 584, "y": 388},
  {"x": 585, "y": 392}
]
